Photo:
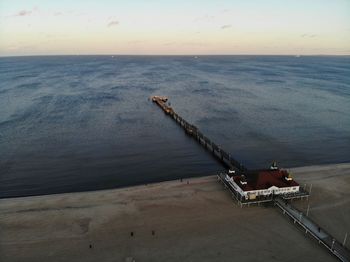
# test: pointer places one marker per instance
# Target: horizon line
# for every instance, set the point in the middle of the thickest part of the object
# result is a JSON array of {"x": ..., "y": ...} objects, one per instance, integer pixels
[{"x": 194, "y": 55}]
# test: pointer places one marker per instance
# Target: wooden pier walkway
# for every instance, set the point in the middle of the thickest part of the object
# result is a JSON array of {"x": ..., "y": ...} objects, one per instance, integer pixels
[
  {"x": 224, "y": 157},
  {"x": 318, "y": 233}
]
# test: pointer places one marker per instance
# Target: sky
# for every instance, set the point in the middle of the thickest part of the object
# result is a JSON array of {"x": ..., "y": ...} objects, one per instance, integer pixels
[{"x": 182, "y": 27}]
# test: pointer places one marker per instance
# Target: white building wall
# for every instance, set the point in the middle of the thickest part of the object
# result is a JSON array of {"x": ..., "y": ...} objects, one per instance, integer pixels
[{"x": 264, "y": 192}]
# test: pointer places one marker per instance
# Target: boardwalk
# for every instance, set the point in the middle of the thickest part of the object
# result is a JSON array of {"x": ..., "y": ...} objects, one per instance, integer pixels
[{"x": 314, "y": 230}]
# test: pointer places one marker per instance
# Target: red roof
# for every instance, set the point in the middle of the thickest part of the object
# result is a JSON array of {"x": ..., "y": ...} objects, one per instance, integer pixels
[{"x": 264, "y": 179}]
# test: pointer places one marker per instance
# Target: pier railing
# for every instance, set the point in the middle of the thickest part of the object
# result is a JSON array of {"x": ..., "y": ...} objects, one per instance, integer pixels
[{"x": 310, "y": 227}]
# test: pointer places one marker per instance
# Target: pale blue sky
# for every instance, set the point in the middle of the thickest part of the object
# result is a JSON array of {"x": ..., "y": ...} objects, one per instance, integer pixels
[{"x": 35, "y": 27}]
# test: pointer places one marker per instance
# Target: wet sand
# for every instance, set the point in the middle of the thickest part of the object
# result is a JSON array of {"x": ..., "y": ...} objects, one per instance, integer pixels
[{"x": 172, "y": 221}]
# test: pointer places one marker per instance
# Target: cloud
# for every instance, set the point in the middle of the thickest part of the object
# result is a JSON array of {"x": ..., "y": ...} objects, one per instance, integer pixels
[
  {"x": 23, "y": 13},
  {"x": 136, "y": 42},
  {"x": 226, "y": 26},
  {"x": 308, "y": 35},
  {"x": 192, "y": 44},
  {"x": 20, "y": 47},
  {"x": 113, "y": 23},
  {"x": 169, "y": 43},
  {"x": 205, "y": 18}
]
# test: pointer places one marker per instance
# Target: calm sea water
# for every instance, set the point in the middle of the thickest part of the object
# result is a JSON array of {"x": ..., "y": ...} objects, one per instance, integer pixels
[{"x": 76, "y": 123}]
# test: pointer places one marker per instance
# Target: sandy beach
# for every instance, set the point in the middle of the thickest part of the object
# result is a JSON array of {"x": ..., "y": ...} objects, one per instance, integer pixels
[{"x": 189, "y": 220}]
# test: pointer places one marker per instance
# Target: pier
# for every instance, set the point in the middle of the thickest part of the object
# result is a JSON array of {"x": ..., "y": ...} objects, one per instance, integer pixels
[
  {"x": 280, "y": 200},
  {"x": 314, "y": 230},
  {"x": 233, "y": 165},
  {"x": 224, "y": 157}
]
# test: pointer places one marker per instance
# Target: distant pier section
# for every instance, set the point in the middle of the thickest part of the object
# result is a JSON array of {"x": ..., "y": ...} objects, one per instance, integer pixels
[{"x": 225, "y": 158}]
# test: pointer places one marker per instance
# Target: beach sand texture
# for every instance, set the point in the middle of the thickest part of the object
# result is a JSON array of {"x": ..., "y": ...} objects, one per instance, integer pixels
[{"x": 192, "y": 220}]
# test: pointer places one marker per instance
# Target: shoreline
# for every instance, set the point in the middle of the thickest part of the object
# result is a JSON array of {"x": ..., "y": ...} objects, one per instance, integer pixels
[
  {"x": 172, "y": 221},
  {"x": 297, "y": 169}
]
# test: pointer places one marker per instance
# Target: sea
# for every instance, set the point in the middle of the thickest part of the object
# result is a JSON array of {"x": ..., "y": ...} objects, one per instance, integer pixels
[{"x": 81, "y": 123}]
